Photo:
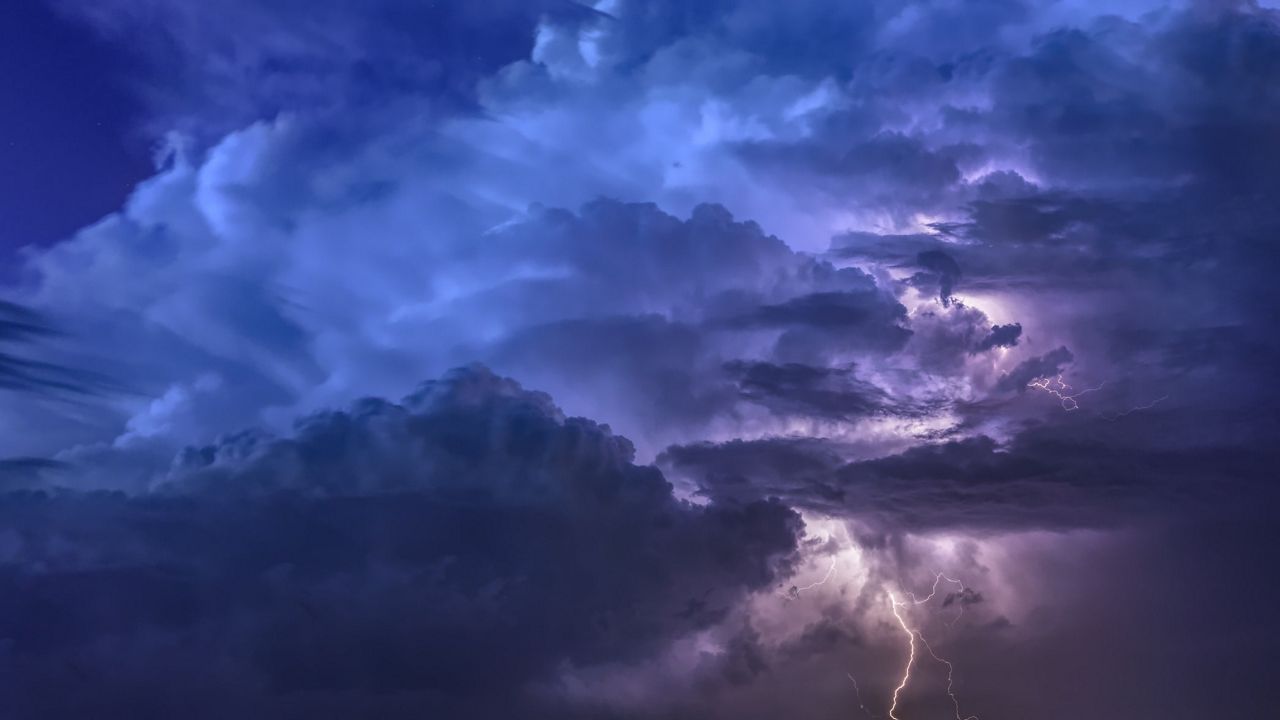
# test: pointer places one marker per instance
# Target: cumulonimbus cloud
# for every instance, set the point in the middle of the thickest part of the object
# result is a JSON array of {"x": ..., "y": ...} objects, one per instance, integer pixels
[{"x": 620, "y": 204}]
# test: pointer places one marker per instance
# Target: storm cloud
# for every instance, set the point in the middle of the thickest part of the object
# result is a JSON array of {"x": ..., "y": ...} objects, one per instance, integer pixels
[{"x": 804, "y": 258}]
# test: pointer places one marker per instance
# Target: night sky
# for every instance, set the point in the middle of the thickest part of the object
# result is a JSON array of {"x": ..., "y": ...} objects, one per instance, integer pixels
[{"x": 739, "y": 359}]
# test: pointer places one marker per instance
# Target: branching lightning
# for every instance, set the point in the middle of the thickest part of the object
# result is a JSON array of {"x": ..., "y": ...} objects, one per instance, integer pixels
[
  {"x": 1059, "y": 389},
  {"x": 1056, "y": 387},
  {"x": 914, "y": 635}
]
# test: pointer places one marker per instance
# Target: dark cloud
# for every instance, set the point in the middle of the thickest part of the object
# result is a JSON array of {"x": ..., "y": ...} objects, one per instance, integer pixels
[
  {"x": 461, "y": 543},
  {"x": 747, "y": 469},
  {"x": 1086, "y": 474},
  {"x": 826, "y": 310},
  {"x": 945, "y": 268},
  {"x": 1000, "y": 336},
  {"x": 898, "y": 247},
  {"x": 819, "y": 324},
  {"x": 805, "y": 390}
]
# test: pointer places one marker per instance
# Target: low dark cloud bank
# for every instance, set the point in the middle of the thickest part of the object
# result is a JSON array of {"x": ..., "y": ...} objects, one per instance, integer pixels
[{"x": 449, "y": 548}]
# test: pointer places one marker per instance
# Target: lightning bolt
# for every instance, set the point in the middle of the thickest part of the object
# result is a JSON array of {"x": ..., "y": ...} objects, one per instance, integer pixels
[
  {"x": 896, "y": 606},
  {"x": 795, "y": 591},
  {"x": 1059, "y": 389},
  {"x": 1132, "y": 410},
  {"x": 858, "y": 692}
]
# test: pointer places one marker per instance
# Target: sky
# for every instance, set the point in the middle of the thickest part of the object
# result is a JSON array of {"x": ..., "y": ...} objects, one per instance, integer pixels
[
  {"x": 639, "y": 359},
  {"x": 72, "y": 149}
]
